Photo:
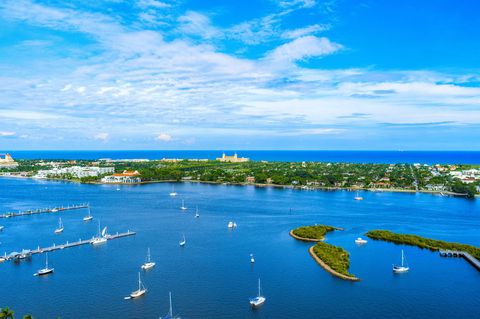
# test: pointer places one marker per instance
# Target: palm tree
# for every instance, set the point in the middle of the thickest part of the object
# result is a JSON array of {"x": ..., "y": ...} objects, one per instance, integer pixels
[{"x": 6, "y": 313}]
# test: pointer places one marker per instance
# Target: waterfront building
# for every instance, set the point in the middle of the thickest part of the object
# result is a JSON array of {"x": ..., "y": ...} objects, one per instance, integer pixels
[
  {"x": 126, "y": 177},
  {"x": 75, "y": 171},
  {"x": 232, "y": 159},
  {"x": 6, "y": 161}
]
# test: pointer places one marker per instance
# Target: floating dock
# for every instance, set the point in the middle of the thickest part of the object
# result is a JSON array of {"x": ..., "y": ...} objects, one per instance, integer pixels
[
  {"x": 43, "y": 211},
  {"x": 28, "y": 253},
  {"x": 463, "y": 254}
]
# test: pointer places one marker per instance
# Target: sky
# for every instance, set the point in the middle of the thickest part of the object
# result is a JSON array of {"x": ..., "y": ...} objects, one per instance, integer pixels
[{"x": 229, "y": 74}]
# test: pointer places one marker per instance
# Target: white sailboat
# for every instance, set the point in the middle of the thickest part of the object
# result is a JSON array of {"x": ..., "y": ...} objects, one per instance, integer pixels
[
  {"x": 170, "y": 311},
  {"x": 258, "y": 300},
  {"x": 148, "y": 263},
  {"x": 182, "y": 242},
  {"x": 360, "y": 241},
  {"x": 357, "y": 196},
  {"x": 403, "y": 267},
  {"x": 140, "y": 291},
  {"x": 183, "y": 207},
  {"x": 46, "y": 270},
  {"x": 101, "y": 236},
  {"x": 232, "y": 225},
  {"x": 1, "y": 228},
  {"x": 173, "y": 193},
  {"x": 60, "y": 227},
  {"x": 196, "y": 213},
  {"x": 252, "y": 260},
  {"x": 89, "y": 217}
]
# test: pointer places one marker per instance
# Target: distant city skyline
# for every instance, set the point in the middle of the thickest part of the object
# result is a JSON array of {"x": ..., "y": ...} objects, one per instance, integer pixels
[{"x": 239, "y": 75}]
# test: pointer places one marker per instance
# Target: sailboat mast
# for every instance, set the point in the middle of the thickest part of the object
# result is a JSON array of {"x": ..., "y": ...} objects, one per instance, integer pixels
[
  {"x": 259, "y": 287},
  {"x": 139, "y": 283},
  {"x": 170, "y": 310},
  {"x": 46, "y": 261},
  {"x": 402, "y": 257}
]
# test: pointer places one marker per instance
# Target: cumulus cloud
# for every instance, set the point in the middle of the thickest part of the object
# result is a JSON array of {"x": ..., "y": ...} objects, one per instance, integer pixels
[
  {"x": 195, "y": 23},
  {"x": 101, "y": 136},
  {"x": 303, "y": 48},
  {"x": 164, "y": 137},
  {"x": 7, "y": 134}
]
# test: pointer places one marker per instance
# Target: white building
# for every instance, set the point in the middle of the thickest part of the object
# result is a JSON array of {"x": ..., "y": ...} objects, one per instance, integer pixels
[
  {"x": 126, "y": 177},
  {"x": 76, "y": 171}
]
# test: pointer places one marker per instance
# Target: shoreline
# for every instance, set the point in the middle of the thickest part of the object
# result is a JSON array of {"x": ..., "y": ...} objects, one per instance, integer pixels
[
  {"x": 328, "y": 269},
  {"x": 310, "y": 188},
  {"x": 311, "y": 240}
]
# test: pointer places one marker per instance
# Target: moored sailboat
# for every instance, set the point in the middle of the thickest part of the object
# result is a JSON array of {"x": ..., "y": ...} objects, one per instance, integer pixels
[
  {"x": 170, "y": 311},
  {"x": 148, "y": 263},
  {"x": 101, "y": 236},
  {"x": 89, "y": 217},
  {"x": 46, "y": 270},
  {"x": 183, "y": 242},
  {"x": 60, "y": 227},
  {"x": 258, "y": 300},
  {"x": 403, "y": 267},
  {"x": 183, "y": 207},
  {"x": 140, "y": 291}
]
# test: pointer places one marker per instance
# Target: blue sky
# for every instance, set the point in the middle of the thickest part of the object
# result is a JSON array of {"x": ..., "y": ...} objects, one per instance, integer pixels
[{"x": 257, "y": 74}]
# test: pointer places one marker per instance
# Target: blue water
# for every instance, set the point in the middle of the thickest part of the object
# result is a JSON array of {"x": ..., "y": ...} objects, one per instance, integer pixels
[
  {"x": 212, "y": 276},
  {"x": 424, "y": 157}
]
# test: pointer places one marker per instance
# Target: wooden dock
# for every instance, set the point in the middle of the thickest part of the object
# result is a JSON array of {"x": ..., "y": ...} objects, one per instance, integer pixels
[
  {"x": 25, "y": 253},
  {"x": 463, "y": 254},
  {"x": 43, "y": 211}
]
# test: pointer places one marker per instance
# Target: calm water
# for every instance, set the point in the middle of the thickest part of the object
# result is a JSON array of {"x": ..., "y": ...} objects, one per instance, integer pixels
[
  {"x": 433, "y": 157},
  {"x": 212, "y": 276}
]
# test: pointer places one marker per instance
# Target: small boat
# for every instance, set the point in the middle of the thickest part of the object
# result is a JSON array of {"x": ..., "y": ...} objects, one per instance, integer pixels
[
  {"x": 54, "y": 210},
  {"x": 148, "y": 264},
  {"x": 358, "y": 197},
  {"x": 173, "y": 193},
  {"x": 360, "y": 241},
  {"x": 139, "y": 292},
  {"x": 403, "y": 267},
  {"x": 118, "y": 188},
  {"x": 232, "y": 225},
  {"x": 1, "y": 228},
  {"x": 3, "y": 258},
  {"x": 182, "y": 242},
  {"x": 258, "y": 300},
  {"x": 196, "y": 213},
  {"x": 170, "y": 312},
  {"x": 89, "y": 217},
  {"x": 183, "y": 207},
  {"x": 252, "y": 260},
  {"x": 101, "y": 236},
  {"x": 46, "y": 270},
  {"x": 60, "y": 227}
]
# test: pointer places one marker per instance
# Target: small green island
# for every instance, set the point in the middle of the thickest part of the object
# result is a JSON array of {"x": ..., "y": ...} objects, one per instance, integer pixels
[
  {"x": 333, "y": 259},
  {"x": 422, "y": 242}
]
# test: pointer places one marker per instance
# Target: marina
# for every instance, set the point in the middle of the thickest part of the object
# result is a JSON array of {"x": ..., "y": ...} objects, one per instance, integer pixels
[
  {"x": 54, "y": 247},
  {"x": 43, "y": 211},
  {"x": 461, "y": 254}
]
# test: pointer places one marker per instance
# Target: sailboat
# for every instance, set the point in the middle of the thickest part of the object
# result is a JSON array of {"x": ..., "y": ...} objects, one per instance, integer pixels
[
  {"x": 196, "y": 213},
  {"x": 100, "y": 238},
  {"x": 46, "y": 270},
  {"x": 183, "y": 207},
  {"x": 258, "y": 300},
  {"x": 360, "y": 241},
  {"x": 232, "y": 225},
  {"x": 89, "y": 217},
  {"x": 252, "y": 260},
  {"x": 183, "y": 242},
  {"x": 60, "y": 227},
  {"x": 403, "y": 267},
  {"x": 140, "y": 291},
  {"x": 358, "y": 197},
  {"x": 173, "y": 193},
  {"x": 148, "y": 264},
  {"x": 170, "y": 311},
  {"x": 1, "y": 228}
]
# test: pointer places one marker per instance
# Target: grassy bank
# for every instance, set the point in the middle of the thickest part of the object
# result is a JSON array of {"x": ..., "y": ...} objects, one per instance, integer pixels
[
  {"x": 414, "y": 240},
  {"x": 337, "y": 258},
  {"x": 316, "y": 232}
]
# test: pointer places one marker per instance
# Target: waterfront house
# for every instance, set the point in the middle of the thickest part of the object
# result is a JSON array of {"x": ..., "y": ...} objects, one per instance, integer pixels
[{"x": 126, "y": 177}]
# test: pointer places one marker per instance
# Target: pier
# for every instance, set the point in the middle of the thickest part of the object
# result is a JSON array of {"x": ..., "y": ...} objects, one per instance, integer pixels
[
  {"x": 25, "y": 253},
  {"x": 455, "y": 253},
  {"x": 43, "y": 211}
]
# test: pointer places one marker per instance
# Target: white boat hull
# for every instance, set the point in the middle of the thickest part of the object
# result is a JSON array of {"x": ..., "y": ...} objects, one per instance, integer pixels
[
  {"x": 99, "y": 241},
  {"x": 257, "y": 302},
  {"x": 138, "y": 293},
  {"x": 147, "y": 266},
  {"x": 45, "y": 271}
]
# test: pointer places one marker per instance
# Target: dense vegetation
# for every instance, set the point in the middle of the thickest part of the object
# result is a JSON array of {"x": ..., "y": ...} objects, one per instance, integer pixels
[
  {"x": 313, "y": 232},
  {"x": 335, "y": 257},
  {"x": 296, "y": 174},
  {"x": 6, "y": 313},
  {"x": 414, "y": 240}
]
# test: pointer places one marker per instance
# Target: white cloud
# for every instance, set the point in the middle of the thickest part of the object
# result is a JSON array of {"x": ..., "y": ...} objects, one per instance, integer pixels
[
  {"x": 164, "y": 137},
  {"x": 303, "y": 48},
  {"x": 195, "y": 23},
  {"x": 153, "y": 3},
  {"x": 101, "y": 136},
  {"x": 7, "y": 134},
  {"x": 311, "y": 29}
]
